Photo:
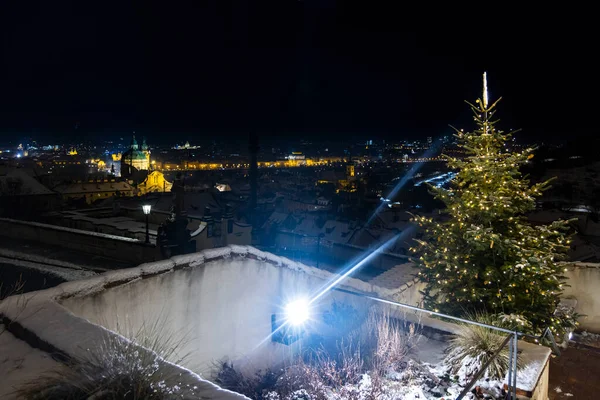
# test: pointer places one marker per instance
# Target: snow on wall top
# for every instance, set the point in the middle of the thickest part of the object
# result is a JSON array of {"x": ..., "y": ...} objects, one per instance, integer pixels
[
  {"x": 582, "y": 265},
  {"x": 65, "y": 229},
  {"x": 115, "y": 278}
]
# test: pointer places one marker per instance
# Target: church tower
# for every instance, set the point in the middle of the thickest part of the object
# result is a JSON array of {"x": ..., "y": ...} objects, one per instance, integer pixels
[
  {"x": 134, "y": 144},
  {"x": 146, "y": 151},
  {"x": 135, "y": 159}
]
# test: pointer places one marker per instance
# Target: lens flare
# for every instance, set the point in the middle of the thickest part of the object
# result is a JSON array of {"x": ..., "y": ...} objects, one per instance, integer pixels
[{"x": 297, "y": 312}]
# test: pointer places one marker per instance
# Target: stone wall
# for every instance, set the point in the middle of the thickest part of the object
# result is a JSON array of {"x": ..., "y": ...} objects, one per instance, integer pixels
[
  {"x": 541, "y": 388},
  {"x": 109, "y": 246}
]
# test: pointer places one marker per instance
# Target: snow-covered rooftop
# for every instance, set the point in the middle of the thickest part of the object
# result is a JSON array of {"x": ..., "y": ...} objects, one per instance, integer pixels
[
  {"x": 16, "y": 182},
  {"x": 93, "y": 187}
]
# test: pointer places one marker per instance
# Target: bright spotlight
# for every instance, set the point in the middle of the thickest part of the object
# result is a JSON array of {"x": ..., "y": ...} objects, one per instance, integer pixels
[{"x": 297, "y": 312}]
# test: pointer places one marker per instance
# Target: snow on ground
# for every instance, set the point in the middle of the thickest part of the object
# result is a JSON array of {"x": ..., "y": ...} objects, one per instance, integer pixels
[
  {"x": 429, "y": 350},
  {"x": 20, "y": 363},
  {"x": 424, "y": 376},
  {"x": 67, "y": 274},
  {"x": 587, "y": 338}
]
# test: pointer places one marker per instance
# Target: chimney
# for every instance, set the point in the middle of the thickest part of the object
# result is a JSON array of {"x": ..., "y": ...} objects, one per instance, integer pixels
[{"x": 226, "y": 224}]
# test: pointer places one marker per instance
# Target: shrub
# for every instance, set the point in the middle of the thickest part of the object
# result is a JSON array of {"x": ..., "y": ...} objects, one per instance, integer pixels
[
  {"x": 352, "y": 369},
  {"x": 255, "y": 386},
  {"x": 117, "y": 368},
  {"x": 385, "y": 341},
  {"x": 473, "y": 346}
]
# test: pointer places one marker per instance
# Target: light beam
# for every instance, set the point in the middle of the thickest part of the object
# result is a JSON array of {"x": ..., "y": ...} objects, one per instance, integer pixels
[{"x": 409, "y": 175}]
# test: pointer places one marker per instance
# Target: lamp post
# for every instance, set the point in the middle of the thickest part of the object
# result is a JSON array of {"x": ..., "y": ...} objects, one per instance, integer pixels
[
  {"x": 146, "y": 208},
  {"x": 321, "y": 235}
]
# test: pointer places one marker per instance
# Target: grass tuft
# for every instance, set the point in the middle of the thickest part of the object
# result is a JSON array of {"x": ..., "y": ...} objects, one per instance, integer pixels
[
  {"x": 118, "y": 368},
  {"x": 473, "y": 346}
]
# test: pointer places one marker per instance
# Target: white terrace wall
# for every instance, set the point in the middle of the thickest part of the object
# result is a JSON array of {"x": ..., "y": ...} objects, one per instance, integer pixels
[
  {"x": 221, "y": 304},
  {"x": 584, "y": 281}
]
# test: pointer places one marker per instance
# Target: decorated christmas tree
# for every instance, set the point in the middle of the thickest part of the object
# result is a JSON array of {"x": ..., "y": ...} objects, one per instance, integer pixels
[{"x": 482, "y": 254}]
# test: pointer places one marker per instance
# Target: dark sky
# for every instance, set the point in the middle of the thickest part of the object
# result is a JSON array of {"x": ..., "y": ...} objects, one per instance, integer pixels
[{"x": 313, "y": 68}]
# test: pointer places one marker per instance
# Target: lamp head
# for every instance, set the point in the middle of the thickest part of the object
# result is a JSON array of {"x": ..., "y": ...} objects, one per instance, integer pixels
[
  {"x": 146, "y": 208},
  {"x": 297, "y": 312}
]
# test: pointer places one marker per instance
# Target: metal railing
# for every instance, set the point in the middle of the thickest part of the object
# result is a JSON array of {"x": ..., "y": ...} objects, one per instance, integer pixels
[{"x": 512, "y": 340}]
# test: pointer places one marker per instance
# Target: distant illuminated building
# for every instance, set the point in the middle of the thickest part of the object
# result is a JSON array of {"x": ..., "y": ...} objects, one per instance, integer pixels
[
  {"x": 135, "y": 159},
  {"x": 350, "y": 171},
  {"x": 186, "y": 146},
  {"x": 72, "y": 152},
  {"x": 154, "y": 182}
]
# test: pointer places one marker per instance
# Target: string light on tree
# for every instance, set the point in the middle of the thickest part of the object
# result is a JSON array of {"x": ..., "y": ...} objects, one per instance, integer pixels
[{"x": 508, "y": 265}]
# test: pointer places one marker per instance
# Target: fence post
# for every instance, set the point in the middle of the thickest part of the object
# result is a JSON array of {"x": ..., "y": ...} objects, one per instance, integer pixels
[
  {"x": 515, "y": 344},
  {"x": 510, "y": 368},
  {"x": 483, "y": 368}
]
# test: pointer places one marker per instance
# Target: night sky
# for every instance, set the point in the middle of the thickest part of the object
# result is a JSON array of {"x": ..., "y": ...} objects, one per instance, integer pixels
[{"x": 307, "y": 68}]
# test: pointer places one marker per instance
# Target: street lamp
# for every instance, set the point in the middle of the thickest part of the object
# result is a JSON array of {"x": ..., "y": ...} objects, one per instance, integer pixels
[
  {"x": 321, "y": 236},
  {"x": 146, "y": 208}
]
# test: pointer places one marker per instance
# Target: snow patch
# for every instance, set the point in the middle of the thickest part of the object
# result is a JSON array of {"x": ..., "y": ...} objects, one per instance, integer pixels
[
  {"x": 220, "y": 252},
  {"x": 65, "y": 229},
  {"x": 188, "y": 259},
  {"x": 528, "y": 376},
  {"x": 20, "y": 364},
  {"x": 156, "y": 267},
  {"x": 121, "y": 275}
]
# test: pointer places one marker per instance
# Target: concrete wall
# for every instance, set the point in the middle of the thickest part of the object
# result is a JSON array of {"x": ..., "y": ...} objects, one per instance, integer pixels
[
  {"x": 119, "y": 248},
  {"x": 223, "y": 308},
  {"x": 584, "y": 281},
  {"x": 543, "y": 385}
]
